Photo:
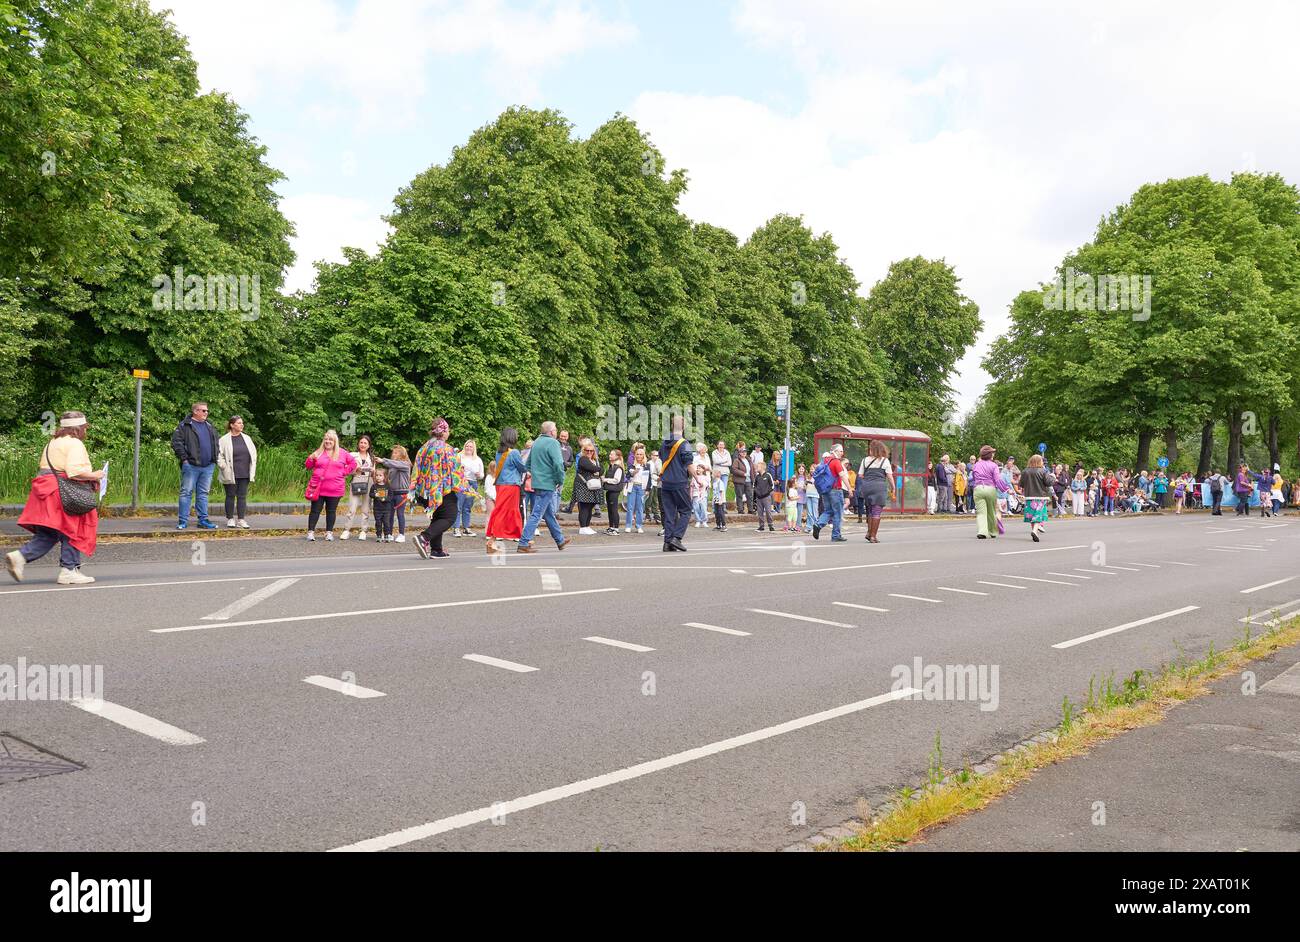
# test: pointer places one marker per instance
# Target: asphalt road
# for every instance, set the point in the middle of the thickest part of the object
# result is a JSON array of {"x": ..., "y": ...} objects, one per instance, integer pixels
[{"x": 711, "y": 740}]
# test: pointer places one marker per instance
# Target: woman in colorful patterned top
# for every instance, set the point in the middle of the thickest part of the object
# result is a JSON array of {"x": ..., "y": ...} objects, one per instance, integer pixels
[{"x": 436, "y": 478}]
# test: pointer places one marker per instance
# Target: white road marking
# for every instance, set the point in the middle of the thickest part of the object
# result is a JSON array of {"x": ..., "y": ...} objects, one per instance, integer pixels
[
  {"x": 138, "y": 722},
  {"x": 1271, "y": 526},
  {"x": 1230, "y": 530},
  {"x": 944, "y": 588},
  {"x": 1219, "y": 549},
  {"x": 497, "y": 662},
  {"x": 1146, "y": 565},
  {"x": 625, "y": 645},
  {"x": 1005, "y": 585},
  {"x": 1174, "y": 562},
  {"x": 1125, "y": 627},
  {"x": 1125, "y": 568},
  {"x": 865, "y": 608},
  {"x": 1045, "y": 549},
  {"x": 381, "y": 611},
  {"x": 1272, "y": 622},
  {"x": 1267, "y": 585},
  {"x": 550, "y": 580},
  {"x": 248, "y": 601},
  {"x": 1287, "y": 682},
  {"x": 1250, "y": 619},
  {"x": 1255, "y": 546},
  {"x": 1006, "y": 575},
  {"x": 799, "y": 572},
  {"x": 1067, "y": 575},
  {"x": 299, "y": 575},
  {"x": 916, "y": 598},
  {"x": 1098, "y": 572},
  {"x": 455, "y": 822},
  {"x": 739, "y": 572},
  {"x": 725, "y": 631},
  {"x": 816, "y": 621},
  {"x": 347, "y": 689}
]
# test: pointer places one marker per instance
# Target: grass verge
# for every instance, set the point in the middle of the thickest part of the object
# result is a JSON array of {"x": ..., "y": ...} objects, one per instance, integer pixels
[{"x": 1140, "y": 700}]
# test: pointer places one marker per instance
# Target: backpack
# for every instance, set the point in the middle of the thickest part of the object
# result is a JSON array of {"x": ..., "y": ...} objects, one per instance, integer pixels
[{"x": 822, "y": 477}]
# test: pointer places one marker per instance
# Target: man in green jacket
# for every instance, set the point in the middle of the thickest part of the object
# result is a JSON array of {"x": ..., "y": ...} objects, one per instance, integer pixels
[{"x": 546, "y": 465}]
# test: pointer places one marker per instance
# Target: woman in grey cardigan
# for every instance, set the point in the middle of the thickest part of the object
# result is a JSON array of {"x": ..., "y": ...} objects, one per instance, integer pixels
[
  {"x": 236, "y": 469},
  {"x": 1036, "y": 483}
]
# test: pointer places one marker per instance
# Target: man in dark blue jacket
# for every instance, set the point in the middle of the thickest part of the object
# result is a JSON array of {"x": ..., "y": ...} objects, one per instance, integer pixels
[
  {"x": 195, "y": 445},
  {"x": 675, "y": 486}
]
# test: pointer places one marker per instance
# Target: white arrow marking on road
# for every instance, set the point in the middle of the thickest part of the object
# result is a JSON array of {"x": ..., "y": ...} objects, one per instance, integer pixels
[
  {"x": 550, "y": 580},
  {"x": 625, "y": 645},
  {"x": 1045, "y": 549},
  {"x": 340, "y": 686},
  {"x": 381, "y": 611},
  {"x": 248, "y": 601},
  {"x": 1133, "y": 624},
  {"x": 725, "y": 631},
  {"x": 138, "y": 722},
  {"x": 497, "y": 662},
  {"x": 1267, "y": 585},
  {"x": 455, "y": 822},
  {"x": 816, "y": 621}
]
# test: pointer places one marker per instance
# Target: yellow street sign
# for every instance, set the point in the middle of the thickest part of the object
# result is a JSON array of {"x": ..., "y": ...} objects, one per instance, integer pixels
[{"x": 140, "y": 374}]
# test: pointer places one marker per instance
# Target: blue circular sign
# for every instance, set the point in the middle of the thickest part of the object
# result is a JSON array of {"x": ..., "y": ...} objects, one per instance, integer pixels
[
  {"x": 1042, "y": 448},
  {"x": 1163, "y": 462}
]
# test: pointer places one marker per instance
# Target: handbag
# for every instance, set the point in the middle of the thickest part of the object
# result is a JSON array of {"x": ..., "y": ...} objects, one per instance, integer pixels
[{"x": 76, "y": 497}]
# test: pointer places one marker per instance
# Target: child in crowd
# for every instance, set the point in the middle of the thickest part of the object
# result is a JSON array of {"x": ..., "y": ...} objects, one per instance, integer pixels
[
  {"x": 381, "y": 502},
  {"x": 719, "y": 506},
  {"x": 792, "y": 507},
  {"x": 399, "y": 484},
  {"x": 699, "y": 492}
]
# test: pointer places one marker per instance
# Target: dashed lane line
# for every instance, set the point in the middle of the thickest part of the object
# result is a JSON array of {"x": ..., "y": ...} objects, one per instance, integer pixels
[
  {"x": 1005, "y": 585},
  {"x": 1125, "y": 627},
  {"x": 865, "y": 608},
  {"x": 559, "y": 793},
  {"x": 1044, "y": 549},
  {"x": 800, "y": 572},
  {"x": 1267, "y": 585},
  {"x": 137, "y": 722},
  {"x": 808, "y": 618},
  {"x": 1098, "y": 572},
  {"x": 342, "y": 686},
  {"x": 625, "y": 645},
  {"x": 498, "y": 662},
  {"x": 916, "y": 598},
  {"x": 717, "y": 628},
  {"x": 149, "y": 585},
  {"x": 1007, "y": 575},
  {"x": 1067, "y": 575},
  {"x": 248, "y": 601},
  {"x": 944, "y": 588}
]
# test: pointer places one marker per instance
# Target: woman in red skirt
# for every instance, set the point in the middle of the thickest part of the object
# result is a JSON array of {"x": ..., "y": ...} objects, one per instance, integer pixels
[
  {"x": 508, "y": 472},
  {"x": 74, "y": 534}
]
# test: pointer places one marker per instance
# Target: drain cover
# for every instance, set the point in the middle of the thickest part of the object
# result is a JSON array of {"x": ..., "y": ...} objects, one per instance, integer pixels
[{"x": 21, "y": 760}]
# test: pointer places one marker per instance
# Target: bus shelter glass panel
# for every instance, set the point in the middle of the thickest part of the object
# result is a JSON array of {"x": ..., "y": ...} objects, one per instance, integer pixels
[{"x": 918, "y": 455}]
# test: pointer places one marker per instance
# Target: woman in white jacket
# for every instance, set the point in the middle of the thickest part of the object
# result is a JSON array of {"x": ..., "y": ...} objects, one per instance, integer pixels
[{"x": 237, "y": 467}]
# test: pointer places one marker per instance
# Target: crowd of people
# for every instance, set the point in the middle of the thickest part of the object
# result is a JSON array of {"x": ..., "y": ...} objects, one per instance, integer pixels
[{"x": 672, "y": 486}]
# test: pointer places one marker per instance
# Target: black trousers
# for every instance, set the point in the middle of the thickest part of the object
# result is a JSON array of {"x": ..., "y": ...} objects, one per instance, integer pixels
[
  {"x": 383, "y": 514},
  {"x": 744, "y": 496},
  {"x": 441, "y": 521},
  {"x": 720, "y": 514},
  {"x": 1217, "y": 498},
  {"x": 237, "y": 491},
  {"x": 331, "y": 505},
  {"x": 584, "y": 514},
  {"x": 611, "y": 504},
  {"x": 677, "y": 511}
]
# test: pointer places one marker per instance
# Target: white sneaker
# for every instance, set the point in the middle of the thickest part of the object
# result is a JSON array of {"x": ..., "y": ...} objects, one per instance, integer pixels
[
  {"x": 15, "y": 562},
  {"x": 587, "y": 531},
  {"x": 231, "y": 523},
  {"x": 627, "y": 529},
  {"x": 455, "y": 531},
  {"x": 243, "y": 525},
  {"x": 311, "y": 536},
  {"x": 329, "y": 537},
  {"x": 74, "y": 577},
  {"x": 342, "y": 536},
  {"x": 401, "y": 538},
  {"x": 468, "y": 532},
  {"x": 639, "y": 530},
  {"x": 362, "y": 536}
]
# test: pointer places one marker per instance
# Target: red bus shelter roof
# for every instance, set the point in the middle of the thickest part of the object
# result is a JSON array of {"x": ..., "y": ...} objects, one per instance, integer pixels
[{"x": 862, "y": 431}]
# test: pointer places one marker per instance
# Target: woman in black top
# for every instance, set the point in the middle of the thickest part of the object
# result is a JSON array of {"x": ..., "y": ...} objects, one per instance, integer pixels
[
  {"x": 587, "y": 487},
  {"x": 613, "y": 485},
  {"x": 1036, "y": 484},
  {"x": 237, "y": 467}
]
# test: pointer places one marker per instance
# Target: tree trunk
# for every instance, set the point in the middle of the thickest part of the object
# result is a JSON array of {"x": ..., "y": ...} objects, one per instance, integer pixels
[
  {"x": 1144, "y": 448},
  {"x": 1171, "y": 447},
  {"x": 1234, "y": 441},
  {"x": 1207, "y": 450},
  {"x": 1274, "y": 453}
]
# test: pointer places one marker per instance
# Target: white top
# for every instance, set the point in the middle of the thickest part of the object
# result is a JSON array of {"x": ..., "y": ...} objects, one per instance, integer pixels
[
  {"x": 473, "y": 466},
  {"x": 876, "y": 463},
  {"x": 722, "y": 461}
]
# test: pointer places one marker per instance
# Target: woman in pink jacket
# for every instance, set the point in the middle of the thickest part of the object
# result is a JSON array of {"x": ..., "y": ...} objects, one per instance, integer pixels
[{"x": 330, "y": 466}]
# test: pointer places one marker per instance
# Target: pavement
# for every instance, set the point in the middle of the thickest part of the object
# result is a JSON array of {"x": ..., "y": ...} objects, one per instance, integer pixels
[
  {"x": 270, "y": 694},
  {"x": 1220, "y": 773}
]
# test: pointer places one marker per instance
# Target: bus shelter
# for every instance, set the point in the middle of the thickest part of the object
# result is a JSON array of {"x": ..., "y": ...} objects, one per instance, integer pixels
[{"x": 909, "y": 453}]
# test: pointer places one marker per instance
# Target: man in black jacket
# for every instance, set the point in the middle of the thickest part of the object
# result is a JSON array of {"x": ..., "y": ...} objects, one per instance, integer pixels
[{"x": 195, "y": 445}]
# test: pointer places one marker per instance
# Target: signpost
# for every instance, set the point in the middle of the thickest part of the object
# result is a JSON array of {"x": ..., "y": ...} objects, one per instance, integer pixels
[
  {"x": 1042, "y": 448},
  {"x": 1163, "y": 462},
  {"x": 140, "y": 377},
  {"x": 783, "y": 408}
]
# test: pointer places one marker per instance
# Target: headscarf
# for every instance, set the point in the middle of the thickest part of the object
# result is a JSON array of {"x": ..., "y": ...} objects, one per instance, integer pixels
[{"x": 440, "y": 429}]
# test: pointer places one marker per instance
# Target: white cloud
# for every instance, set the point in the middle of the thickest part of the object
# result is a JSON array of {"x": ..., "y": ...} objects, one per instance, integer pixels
[
  {"x": 325, "y": 224},
  {"x": 995, "y": 135}
]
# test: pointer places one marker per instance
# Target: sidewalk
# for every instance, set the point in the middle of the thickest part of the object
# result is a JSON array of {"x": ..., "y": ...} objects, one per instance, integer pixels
[{"x": 1220, "y": 773}]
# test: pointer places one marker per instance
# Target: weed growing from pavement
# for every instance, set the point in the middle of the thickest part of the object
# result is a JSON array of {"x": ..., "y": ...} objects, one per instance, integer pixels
[{"x": 1141, "y": 700}]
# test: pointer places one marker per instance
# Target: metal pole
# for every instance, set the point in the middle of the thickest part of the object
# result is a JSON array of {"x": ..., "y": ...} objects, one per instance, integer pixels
[
  {"x": 135, "y": 475},
  {"x": 785, "y": 456}
]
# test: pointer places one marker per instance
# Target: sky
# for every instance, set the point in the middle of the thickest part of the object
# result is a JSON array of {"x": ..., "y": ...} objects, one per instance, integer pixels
[{"x": 992, "y": 135}]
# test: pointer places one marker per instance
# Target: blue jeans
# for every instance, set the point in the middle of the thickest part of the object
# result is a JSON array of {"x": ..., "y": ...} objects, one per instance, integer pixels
[
  {"x": 465, "y": 504},
  {"x": 544, "y": 506},
  {"x": 636, "y": 506},
  {"x": 1110, "y": 504},
  {"x": 814, "y": 504},
  {"x": 45, "y": 540},
  {"x": 700, "y": 509},
  {"x": 198, "y": 479},
  {"x": 834, "y": 512}
]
